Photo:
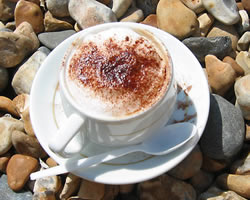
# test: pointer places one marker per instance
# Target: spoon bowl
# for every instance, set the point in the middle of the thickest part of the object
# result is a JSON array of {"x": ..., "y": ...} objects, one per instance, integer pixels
[{"x": 164, "y": 141}]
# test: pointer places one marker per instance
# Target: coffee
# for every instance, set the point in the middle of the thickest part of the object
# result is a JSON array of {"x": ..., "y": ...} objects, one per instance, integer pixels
[{"x": 117, "y": 73}]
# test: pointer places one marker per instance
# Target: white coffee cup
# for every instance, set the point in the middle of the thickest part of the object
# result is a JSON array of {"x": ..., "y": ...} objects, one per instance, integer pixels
[{"x": 106, "y": 130}]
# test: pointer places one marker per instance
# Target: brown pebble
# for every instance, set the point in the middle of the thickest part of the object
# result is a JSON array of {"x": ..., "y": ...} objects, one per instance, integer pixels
[
  {"x": 212, "y": 165},
  {"x": 4, "y": 159},
  {"x": 51, "y": 162},
  {"x": 237, "y": 68},
  {"x": 150, "y": 20}
]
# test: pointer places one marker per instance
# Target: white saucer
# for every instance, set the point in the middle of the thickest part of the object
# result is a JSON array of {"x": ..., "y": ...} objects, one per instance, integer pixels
[{"x": 192, "y": 105}]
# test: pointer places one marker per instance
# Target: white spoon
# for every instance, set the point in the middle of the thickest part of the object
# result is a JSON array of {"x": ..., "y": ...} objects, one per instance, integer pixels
[{"x": 162, "y": 142}]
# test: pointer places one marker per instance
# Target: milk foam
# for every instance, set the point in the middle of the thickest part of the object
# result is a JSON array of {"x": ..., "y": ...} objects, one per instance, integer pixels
[{"x": 106, "y": 101}]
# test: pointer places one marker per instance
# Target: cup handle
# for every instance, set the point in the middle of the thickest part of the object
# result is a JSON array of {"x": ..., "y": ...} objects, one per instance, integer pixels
[{"x": 66, "y": 133}]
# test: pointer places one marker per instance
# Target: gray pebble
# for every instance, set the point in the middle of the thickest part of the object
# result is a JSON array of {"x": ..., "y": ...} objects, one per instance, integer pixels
[
  {"x": 147, "y": 6},
  {"x": 44, "y": 50}
]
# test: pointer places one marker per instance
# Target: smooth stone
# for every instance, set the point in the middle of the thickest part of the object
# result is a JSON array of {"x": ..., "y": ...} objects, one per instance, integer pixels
[
  {"x": 53, "y": 24},
  {"x": 246, "y": 5},
  {"x": 120, "y": 7},
  {"x": 111, "y": 192},
  {"x": 50, "y": 184},
  {"x": 150, "y": 20},
  {"x": 45, "y": 195},
  {"x": 51, "y": 162},
  {"x": 1, "y": 25},
  {"x": 244, "y": 24},
  {"x": 224, "y": 11},
  {"x": 205, "y": 22},
  {"x": 106, "y": 2},
  {"x": 58, "y": 8},
  {"x": 239, "y": 71},
  {"x": 218, "y": 30},
  {"x": 11, "y": 25},
  {"x": 133, "y": 15},
  {"x": 52, "y": 39},
  {"x": 23, "y": 78},
  {"x": 211, "y": 165},
  {"x": 166, "y": 186},
  {"x": 90, "y": 13},
  {"x": 194, "y": 5},
  {"x": 237, "y": 183},
  {"x": 44, "y": 49},
  {"x": 224, "y": 133},
  {"x": 201, "y": 180},
  {"x": 7, "y": 126},
  {"x": 201, "y": 46},
  {"x": 70, "y": 187},
  {"x": 241, "y": 166},
  {"x": 189, "y": 166},
  {"x": 215, "y": 193},
  {"x": 127, "y": 188},
  {"x": 247, "y": 131},
  {"x": 27, "y": 145},
  {"x": 6, "y": 10},
  {"x": 4, "y": 78},
  {"x": 221, "y": 75},
  {"x": 175, "y": 18},
  {"x": 19, "y": 169},
  {"x": 31, "y": 13},
  {"x": 5, "y": 30},
  {"x": 147, "y": 6},
  {"x": 91, "y": 190},
  {"x": 8, "y": 193},
  {"x": 244, "y": 41},
  {"x": 14, "y": 48},
  {"x": 33, "y": 1},
  {"x": 243, "y": 59},
  {"x": 7, "y": 106},
  {"x": 242, "y": 92},
  {"x": 4, "y": 159}
]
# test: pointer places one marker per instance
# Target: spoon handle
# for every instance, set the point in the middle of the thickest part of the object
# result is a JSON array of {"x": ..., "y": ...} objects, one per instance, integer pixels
[{"x": 73, "y": 164}]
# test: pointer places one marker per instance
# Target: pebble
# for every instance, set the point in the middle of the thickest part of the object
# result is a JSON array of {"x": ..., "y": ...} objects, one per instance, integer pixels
[
  {"x": 19, "y": 169},
  {"x": 224, "y": 133},
  {"x": 51, "y": 184},
  {"x": 147, "y": 6},
  {"x": 237, "y": 183},
  {"x": 7, "y": 105},
  {"x": 58, "y": 8},
  {"x": 6, "y": 10},
  {"x": 4, "y": 159},
  {"x": 218, "y": 29},
  {"x": 221, "y": 75},
  {"x": 241, "y": 166},
  {"x": 133, "y": 15},
  {"x": 166, "y": 186},
  {"x": 90, "y": 13},
  {"x": 150, "y": 20},
  {"x": 244, "y": 24},
  {"x": 239, "y": 71},
  {"x": 205, "y": 22},
  {"x": 51, "y": 162},
  {"x": 45, "y": 195},
  {"x": 23, "y": 78},
  {"x": 2, "y": 25},
  {"x": 27, "y": 145},
  {"x": 11, "y": 25},
  {"x": 244, "y": 41},
  {"x": 194, "y": 5},
  {"x": 120, "y": 7},
  {"x": 211, "y": 165},
  {"x": 242, "y": 92},
  {"x": 52, "y": 39},
  {"x": 7, "y": 126},
  {"x": 201, "y": 46},
  {"x": 189, "y": 166},
  {"x": 53, "y": 24},
  {"x": 30, "y": 12},
  {"x": 106, "y": 2},
  {"x": 225, "y": 12},
  {"x": 248, "y": 131},
  {"x": 4, "y": 78},
  {"x": 8, "y": 193},
  {"x": 246, "y": 5},
  {"x": 111, "y": 192},
  {"x": 243, "y": 59},
  {"x": 215, "y": 193},
  {"x": 175, "y": 18},
  {"x": 44, "y": 50}
]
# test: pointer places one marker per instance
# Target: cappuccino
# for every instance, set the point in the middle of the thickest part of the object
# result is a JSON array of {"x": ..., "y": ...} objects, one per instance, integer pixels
[{"x": 117, "y": 73}]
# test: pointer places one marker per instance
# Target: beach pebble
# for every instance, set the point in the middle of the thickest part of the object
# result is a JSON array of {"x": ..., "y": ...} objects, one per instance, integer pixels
[
  {"x": 30, "y": 12},
  {"x": 211, "y": 165},
  {"x": 51, "y": 162},
  {"x": 133, "y": 15},
  {"x": 120, "y": 7},
  {"x": 52, "y": 39},
  {"x": 19, "y": 169},
  {"x": 243, "y": 59},
  {"x": 201, "y": 46},
  {"x": 58, "y": 8},
  {"x": 71, "y": 185},
  {"x": 8, "y": 193},
  {"x": 53, "y": 24},
  {"x": 150, "y": 20},
  {"x": 224, "y": 11},
  {"x": 4, "y": 78},
  {"x": 27, "y": 145},
  {"x": 44, "y": 50},
  {"x": 237, "y": 183},
  {"x": 242, "y": 92},
  {"x": 45, "y": 195},
  {"x": 218, "y": 29},
  {"x": 106, "y": 2},
  {"x": 189, "y": 166},
  {"x": 10, "y": 26},
  {"x": 147, "y": 6},
  {"x": 7, "y": 126},
  {"x": 221, "y": 75},
  {"x": 111, "y": 191},
  {"x": 7, "y": 106},
  {"x": 246, "y": 5},
  {"x": 166, "y": 186},
  {"x": 241, "y": 166},
  {"x": 237, "y": 68},
  {"x": 175, "y": 18},
  {"x": 90, "y": 13},
  {"x": 194, "y": 5},
  {"x": 91, "y": 190},
  {"x": 51, "y": 184},
  {"x": 205, "y": 22},
  {"x": 6, "y": 10},
  {"x": 244, "y": 41},
  {"x": 224, "y": 133},
  {"x": 247, "y": 131},
  {"x": 23, "y": 78},
  {"x": 4, "y": 159},
  {"x": 243, "y": 25}
]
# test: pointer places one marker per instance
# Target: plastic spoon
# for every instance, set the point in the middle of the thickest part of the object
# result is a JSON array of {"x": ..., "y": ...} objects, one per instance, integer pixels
[{"x": 162, "y": 142}]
